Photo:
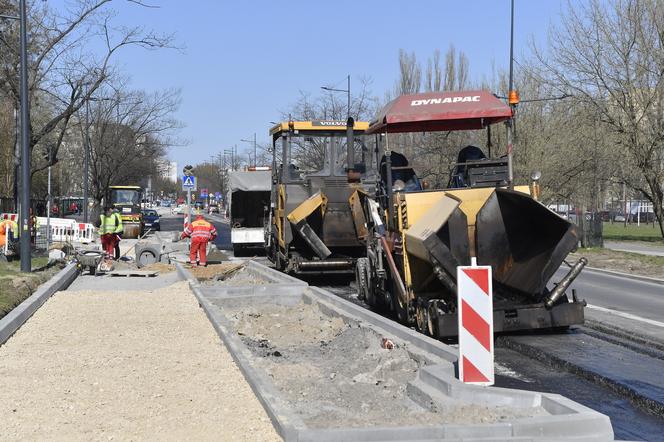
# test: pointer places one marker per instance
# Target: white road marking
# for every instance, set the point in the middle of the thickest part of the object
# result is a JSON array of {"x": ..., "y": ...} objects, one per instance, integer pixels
[
  {"x": 507, "y": 372},
  {"x": 627, "y": 315}
]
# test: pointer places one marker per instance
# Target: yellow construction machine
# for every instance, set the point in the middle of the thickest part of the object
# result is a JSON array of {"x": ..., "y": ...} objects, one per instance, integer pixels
[
  {"x": 417, "y": 237},
  {"x": 127, "y": 201},
  {"x": 317, "y": 168}
]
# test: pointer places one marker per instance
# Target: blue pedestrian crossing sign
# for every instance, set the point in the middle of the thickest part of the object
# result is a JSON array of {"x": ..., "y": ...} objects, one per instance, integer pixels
[{"x": 188, "y": 182}]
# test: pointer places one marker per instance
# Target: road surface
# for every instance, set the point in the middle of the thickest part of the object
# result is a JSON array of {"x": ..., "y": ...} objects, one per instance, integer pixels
[{"x": 640, "y": 298}]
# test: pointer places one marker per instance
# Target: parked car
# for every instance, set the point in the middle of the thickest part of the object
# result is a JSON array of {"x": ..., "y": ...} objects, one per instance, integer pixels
[
  {"x": 151, "y": 219},
  {"x": 179, "y": 210},
  {"x": 165, "y": 203},
  {"x": 619, "y": 218},
  {"x": 213, "y": 208}
]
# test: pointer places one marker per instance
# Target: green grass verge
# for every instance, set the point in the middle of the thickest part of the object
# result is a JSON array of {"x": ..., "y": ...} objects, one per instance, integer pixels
[
  {"x": 15, "y": 286},
  {"x": 618, "y": 232}
]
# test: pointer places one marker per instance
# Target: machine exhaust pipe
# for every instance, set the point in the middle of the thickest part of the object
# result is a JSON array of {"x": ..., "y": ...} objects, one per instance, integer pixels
[
  {"x": 564, "y": 283},
  {"x": 350, "y": 144}
]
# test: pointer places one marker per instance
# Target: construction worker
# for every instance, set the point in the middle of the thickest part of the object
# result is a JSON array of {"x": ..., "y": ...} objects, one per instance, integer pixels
[
  {"x": 8, "y": 232},
  {"x": 34, "y": 226},
  {"x": 200, "y": 231},
  {"x": 118, "y": 233},
  {"x": 109, "y": 224}
]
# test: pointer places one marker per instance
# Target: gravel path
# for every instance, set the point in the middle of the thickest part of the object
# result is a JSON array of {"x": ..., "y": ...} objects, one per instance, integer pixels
[{"x": 112, "y": 365}]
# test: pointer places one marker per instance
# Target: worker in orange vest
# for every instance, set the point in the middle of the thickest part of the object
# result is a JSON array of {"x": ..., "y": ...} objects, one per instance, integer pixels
[
  {"x": 200, "y": 232},
  {"x": 8, "y": 232}
]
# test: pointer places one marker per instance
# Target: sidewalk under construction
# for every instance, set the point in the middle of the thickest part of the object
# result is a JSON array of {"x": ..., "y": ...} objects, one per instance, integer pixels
[
  {"x": 124, "y": 358},
  {"x": 135, "y": 357}
]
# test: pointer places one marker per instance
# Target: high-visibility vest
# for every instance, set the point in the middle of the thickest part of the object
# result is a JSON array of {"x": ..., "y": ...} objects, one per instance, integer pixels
[
  {"x": 110, "y": 224},
  {"x": 8, "y": 227},
  {"x": 200, "y": 230}
]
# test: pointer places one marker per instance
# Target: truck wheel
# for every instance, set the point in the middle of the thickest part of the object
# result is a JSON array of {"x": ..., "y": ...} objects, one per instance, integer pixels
[
  {"x": 400, "y": 310},
  {"x": 422, "y": 317}
]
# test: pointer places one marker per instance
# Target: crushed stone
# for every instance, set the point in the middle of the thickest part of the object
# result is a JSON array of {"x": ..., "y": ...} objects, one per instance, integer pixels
[
  {"x": 127, "y": 365},
  {"x": 334, "y": 373}
]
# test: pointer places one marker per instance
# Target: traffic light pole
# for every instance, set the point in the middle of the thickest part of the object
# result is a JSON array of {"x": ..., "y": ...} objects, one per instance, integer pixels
[{"x": 26, "y": 259}]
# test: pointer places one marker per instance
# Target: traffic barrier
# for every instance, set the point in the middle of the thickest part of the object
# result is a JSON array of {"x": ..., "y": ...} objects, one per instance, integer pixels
[
  {"x": 62, "y": 230},
  {"x": 5, "y": 248},
  {"x": 475, "y": 302},
  {"x": 84, "y": 233}
]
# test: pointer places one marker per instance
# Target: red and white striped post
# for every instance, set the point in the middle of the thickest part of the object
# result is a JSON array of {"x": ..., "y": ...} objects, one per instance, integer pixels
[{"x": 475, "y": 301}]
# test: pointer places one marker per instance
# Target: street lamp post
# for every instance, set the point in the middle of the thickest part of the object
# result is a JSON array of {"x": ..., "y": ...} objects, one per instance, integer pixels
[
  {"x": 24, "y": 215},
  {"x": 86, "y": 161},
  {"x": 255, "y": 150},
  {"x": 26, "y": 259},
  {"x": 231, "y": 152},
  {"x": 341, "y": 90}
]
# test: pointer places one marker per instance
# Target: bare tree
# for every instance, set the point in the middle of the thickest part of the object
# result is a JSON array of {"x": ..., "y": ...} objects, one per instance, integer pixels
[
  {"x": 309, "y": 154},
  {"x": 410, "y": 74},
  {"x": 64, "y": 71},
  {"x": 129, "y": 134},
  {"x": 434, "y": 81},
  {"x": 609, "y": 56},
  {"x": 432, "y": 153}
]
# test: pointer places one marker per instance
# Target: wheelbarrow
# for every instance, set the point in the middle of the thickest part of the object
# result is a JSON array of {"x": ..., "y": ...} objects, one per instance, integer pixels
[{"x": 93, "y": 260}]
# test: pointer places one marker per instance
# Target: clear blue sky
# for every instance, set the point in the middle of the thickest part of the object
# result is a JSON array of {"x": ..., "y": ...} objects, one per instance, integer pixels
[{"x": 245, "y": 61}]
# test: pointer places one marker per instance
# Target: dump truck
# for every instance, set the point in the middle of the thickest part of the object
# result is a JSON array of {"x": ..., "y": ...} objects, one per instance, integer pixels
[
  {"x": 127, "y": 201},
  {"x": 417, "y": 237},
  {"x": 248, "y": 202},
  {"x": 319, "y": 168}
]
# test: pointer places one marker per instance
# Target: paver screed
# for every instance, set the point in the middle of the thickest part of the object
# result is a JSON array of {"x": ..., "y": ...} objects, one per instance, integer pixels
[{"x": 124, "y": 365}]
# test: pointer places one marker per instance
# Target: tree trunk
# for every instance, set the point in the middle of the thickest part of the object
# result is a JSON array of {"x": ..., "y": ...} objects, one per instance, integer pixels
[{"x": 657, "y": 199}]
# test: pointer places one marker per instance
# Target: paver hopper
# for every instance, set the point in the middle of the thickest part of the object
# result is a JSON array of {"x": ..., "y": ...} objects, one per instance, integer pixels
[{"x": 418, "y": 237}]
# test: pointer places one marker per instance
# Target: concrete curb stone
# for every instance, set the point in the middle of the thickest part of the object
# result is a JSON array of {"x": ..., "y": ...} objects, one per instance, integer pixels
[{"x": 13, "y": 320}]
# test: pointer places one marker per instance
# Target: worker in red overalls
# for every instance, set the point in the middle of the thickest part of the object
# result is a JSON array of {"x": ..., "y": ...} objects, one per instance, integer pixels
[{"x": 200, "y": 232}]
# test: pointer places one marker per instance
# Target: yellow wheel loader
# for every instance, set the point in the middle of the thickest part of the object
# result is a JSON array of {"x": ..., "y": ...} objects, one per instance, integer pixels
[
  {"x": 127, "y": 201},
  {"x": 416, "y": 238},
  {"x": 318, "y": 170}
]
